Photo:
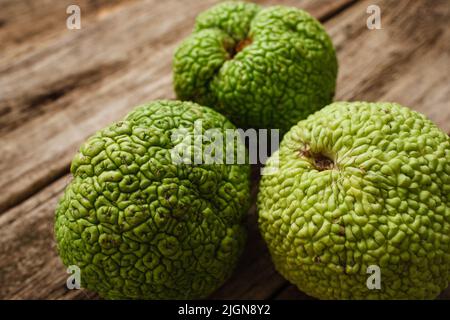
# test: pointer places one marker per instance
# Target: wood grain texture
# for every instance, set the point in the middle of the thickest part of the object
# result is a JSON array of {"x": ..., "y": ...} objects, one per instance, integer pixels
[
  {"x": 56, "y": 93},
  {"x": 28, "y": 24},
  {"x": 85, "y": 79}
]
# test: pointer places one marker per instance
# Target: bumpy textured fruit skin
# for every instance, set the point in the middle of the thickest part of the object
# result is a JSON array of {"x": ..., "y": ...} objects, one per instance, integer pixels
[
  {"x": 139, "y": 226},
  {"x": 263, "y": 68},
  {"x": 360, "y": 184}
]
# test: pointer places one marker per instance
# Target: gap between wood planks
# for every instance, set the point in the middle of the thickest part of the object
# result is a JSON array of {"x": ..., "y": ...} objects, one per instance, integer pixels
[{"x": 31, "y": 221}]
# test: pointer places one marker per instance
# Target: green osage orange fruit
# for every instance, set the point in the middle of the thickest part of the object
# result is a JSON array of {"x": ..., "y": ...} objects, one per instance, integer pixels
[
  {"x": 140, "y": 226},
  {"x": 358, "y": 185},
  {"x": 261, "y": 67}
]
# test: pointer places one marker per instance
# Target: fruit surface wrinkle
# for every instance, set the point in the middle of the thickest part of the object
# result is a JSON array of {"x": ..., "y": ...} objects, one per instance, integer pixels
[
  {"x": 141, "y": 226},
  {"x": 261, "y": 67},
  {"x": 386, "y": 202}
]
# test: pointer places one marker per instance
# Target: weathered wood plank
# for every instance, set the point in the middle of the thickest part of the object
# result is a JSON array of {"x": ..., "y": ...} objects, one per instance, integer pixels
[
  {"x": 54, "y": 97},
  {"x": 406, "y": 62},
  {"x": 355, "y": 83},
  {"x": 27, "y": 250},
  {"x": 26, "y": 24},
  {"x": 42, "y": 143}
]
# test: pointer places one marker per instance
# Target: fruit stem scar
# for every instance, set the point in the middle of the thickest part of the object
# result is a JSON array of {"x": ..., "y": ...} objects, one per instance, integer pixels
[
  {"x": 240, "y": 46},
  {"x": 320, "y": 161}
]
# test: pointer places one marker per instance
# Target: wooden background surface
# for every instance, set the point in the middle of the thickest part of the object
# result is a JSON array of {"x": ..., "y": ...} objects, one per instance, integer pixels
[{"x": 58, "y": 86}]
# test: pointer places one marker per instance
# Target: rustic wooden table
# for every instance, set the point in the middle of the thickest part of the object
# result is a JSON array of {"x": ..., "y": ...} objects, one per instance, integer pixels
[{"x": 58, "y": 86}]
